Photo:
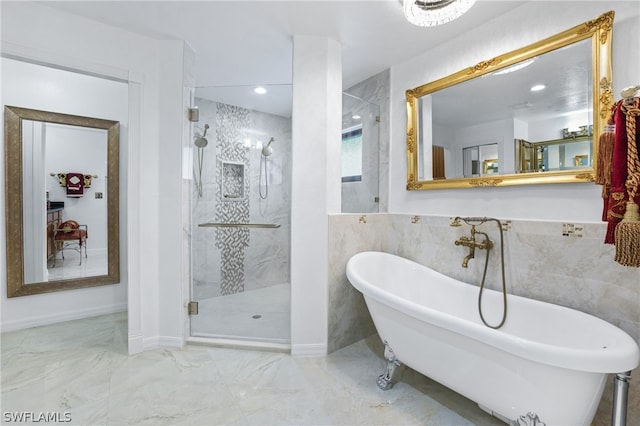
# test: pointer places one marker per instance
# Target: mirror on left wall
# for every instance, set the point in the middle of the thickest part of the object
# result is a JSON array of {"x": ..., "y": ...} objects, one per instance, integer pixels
[{"x": 61, "y": 190}]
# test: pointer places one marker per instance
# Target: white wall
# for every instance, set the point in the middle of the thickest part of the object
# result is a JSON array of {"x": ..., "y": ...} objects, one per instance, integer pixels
[
  {"x": 175, "y": 59},
  {"x": 495, "y": 132},
  {"x": 315, "y": 188},
  {"x": 526, "y": 24},
  {"x": 150, "y": 147}
]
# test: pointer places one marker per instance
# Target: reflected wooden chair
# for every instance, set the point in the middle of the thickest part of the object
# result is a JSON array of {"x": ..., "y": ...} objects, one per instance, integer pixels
[{"x": 70, "y": 235}]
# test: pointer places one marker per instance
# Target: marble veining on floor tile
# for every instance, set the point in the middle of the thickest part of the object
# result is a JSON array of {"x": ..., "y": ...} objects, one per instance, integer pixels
[{"x": 81, "y": 369}]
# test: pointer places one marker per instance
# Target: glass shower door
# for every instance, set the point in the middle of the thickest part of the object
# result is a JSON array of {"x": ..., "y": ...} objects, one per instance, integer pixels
[
  {"x": 360, "y": 155},
  {"x": 240, "y": 223}
]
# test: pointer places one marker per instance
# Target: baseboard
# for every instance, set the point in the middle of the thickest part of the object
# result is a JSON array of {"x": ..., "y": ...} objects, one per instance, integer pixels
[
  {"x": 23, "y": 323},
  {"x": 314, "y": 349},
  {"x": 157, "y": 342},
  {"x": 136, "y": 343}
]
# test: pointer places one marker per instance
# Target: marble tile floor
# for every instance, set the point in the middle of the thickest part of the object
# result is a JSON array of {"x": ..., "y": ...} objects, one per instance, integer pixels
[
  {"x": 81, "y": 369},
  {"x": 262, "y": 314},
  {"x": 69, "y": 267}
]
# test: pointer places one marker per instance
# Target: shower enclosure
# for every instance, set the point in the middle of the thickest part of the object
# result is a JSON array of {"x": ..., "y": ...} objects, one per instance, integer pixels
[
  {"x": 240, "y": 215},
  {"x": 360, "y": 155}
]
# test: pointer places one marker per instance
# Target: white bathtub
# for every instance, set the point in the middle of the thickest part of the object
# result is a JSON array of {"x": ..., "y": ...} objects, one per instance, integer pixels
[{"x": 547, "y": 359}]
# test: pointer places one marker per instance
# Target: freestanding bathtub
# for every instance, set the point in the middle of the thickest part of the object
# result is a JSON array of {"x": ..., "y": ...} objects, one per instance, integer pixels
[{"x": 547, "y": 362}]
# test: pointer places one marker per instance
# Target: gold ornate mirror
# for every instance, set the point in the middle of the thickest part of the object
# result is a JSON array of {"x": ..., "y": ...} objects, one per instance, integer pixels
[
  {"x": 530, "y": 116},
  {"x": 62, "y": 192}
]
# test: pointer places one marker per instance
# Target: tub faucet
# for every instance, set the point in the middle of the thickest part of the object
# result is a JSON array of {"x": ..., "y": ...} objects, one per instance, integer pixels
[
  {"x": 473, "y": 244},
  {"x": 467, "y": 258}
]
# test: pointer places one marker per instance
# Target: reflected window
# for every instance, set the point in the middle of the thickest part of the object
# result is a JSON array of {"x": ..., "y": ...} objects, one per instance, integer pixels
[{"x": 352, "y": 154}]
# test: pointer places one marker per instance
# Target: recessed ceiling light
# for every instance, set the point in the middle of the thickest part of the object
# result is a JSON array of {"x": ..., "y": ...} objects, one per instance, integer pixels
[
  {"x": 260, "y": 90},
  {"x": 538, "y": 87},
  {"x": 356, "y": 117}
]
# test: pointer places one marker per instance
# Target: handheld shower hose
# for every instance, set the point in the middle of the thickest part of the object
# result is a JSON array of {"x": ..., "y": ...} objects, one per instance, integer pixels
[
  {"x": 480, "y": 221},
  {"x": 266, "y": 151}
]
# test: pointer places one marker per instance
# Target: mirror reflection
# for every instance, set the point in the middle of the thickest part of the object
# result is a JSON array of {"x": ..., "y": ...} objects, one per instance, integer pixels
[
  {"x": 533, "y": 100},
  {"x": 74, "y": 161},
  {"x": 61, "y": 201},
  {"x": 531, "y": 111}
]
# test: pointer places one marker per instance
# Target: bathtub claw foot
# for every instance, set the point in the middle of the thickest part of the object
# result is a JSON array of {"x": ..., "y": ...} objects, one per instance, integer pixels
[{"x": 385, "y": 380}]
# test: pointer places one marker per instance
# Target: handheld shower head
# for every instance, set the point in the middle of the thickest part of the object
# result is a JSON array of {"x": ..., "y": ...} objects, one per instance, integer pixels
[
  {"x": 201, "y": 141},
  {"x": 267, "y": 150}
]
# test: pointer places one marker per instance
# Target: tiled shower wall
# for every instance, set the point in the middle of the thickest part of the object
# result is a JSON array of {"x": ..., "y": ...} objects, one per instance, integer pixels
[
  {"x": 229, "y": 260},
  {"x": 541, "y": 263}
]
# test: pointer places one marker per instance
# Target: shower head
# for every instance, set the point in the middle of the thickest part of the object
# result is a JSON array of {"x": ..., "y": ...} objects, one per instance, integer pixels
[
  {"x": 267, "y": 150},
  {"x": 201, "y": 141}
]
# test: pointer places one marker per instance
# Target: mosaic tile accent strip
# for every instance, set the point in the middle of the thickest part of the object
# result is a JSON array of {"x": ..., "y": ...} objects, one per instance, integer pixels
[{"x": 230, "y": 124}]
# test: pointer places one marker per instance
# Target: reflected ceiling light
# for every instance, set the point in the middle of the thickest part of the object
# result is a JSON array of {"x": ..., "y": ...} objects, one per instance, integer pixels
[
  {"x": 523, "y": 105},
  {"x": 429, "y": 13},
  {"x": 538, "y": 87},
  {"x": 260, "y": 90},
  {"x": 515, "y": 67}
]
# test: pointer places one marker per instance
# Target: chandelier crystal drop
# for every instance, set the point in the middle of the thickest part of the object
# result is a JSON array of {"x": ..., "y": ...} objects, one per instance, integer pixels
[{"x": 429, "y": 13}]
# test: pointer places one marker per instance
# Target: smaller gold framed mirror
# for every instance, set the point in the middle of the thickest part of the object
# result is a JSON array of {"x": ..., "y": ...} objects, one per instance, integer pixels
[
  {"x": 70, "y": 240},
  {"x": 530, "y": 116}
]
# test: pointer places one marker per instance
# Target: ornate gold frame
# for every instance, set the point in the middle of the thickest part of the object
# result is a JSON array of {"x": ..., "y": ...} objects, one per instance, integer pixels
[
  {"x": 598, "y": 30},
  {"x": 13, "y": 117}
]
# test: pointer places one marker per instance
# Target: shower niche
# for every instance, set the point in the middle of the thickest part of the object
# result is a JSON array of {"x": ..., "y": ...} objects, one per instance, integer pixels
[{"x": 232, "y": 180}]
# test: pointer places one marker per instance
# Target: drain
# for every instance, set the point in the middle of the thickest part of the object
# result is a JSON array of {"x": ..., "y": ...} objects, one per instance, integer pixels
[{"x": 256, "y": 316}]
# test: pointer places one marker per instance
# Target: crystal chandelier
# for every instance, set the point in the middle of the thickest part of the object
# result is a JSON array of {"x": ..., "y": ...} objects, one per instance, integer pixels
[{"x": 429, "y": 13}]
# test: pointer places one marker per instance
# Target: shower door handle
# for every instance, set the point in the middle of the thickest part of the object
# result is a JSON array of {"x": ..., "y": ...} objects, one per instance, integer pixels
[{"x": 239, "y": 225}]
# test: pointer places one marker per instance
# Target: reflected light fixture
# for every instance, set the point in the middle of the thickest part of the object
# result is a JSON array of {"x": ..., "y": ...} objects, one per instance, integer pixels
[
  {"x": 515, "y": 67},
  {"x": 538, "y": 87},
  {"x": 260, "y": 90},
  {"x": 429, "y": 13}
]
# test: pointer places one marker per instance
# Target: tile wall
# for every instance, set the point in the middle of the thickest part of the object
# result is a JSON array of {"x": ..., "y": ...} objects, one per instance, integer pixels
[{"x": 231, "y": 260}]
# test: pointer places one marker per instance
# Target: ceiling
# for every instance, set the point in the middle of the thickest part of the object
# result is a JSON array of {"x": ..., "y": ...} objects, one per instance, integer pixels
[{"x": 248, "y": 43}]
